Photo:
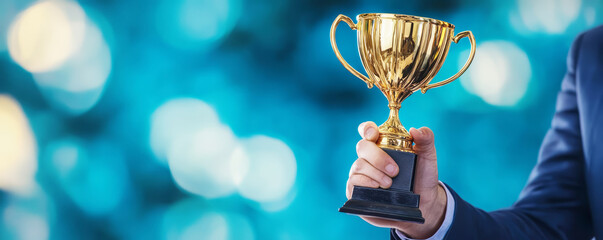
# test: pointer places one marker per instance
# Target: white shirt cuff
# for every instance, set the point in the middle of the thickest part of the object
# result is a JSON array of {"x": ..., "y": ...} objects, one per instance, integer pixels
[{"x": 439, "y": 235}]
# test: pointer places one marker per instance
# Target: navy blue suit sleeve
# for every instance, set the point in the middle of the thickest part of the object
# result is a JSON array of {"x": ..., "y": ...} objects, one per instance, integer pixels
[{"x": 554, "y": 203}]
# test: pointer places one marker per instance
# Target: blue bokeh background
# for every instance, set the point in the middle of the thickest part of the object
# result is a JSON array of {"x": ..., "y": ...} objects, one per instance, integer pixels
[{"x": 263, "y": 68}]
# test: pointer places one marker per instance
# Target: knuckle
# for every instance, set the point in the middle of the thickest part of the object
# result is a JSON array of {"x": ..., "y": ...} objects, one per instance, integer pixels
[
  {"x": 370, "y": 182},
  {"x": 428, "y": 135},
  {"x": 380, "y": 162},
  {"x": 426, "y": 150},
  {"x": 354, "y": 180},
  {"x": 360, "y": 164},
  {"x": 428, "y": 132},
  {"x": 374, "y": 173},
  {"x": 359, "y": 180},
  {"x": 361, "y": 145},
  {"x": 383, "y": 182},
  {"x": 364, "y": 181},
  {"x": 356, "y": 167}
]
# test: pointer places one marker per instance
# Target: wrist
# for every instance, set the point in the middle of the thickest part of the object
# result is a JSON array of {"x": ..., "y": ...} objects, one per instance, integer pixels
[
  {"x": 434, "y": 209},
  {"x": 434, "y": 222}
]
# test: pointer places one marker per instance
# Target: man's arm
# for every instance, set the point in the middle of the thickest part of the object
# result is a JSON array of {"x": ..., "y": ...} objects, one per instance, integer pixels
[{"x": 554, "y": 204}]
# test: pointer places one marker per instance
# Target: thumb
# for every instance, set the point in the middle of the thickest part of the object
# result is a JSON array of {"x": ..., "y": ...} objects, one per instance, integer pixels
[
  {"x": 426, "y": 173},
  {"x": 424, "y": 143},
  {"x": 369, "y": 131}
]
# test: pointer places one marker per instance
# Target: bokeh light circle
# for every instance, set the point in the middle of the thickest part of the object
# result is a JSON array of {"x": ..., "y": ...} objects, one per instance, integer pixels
[
  {"x": 201, "y": 164},
  {"x": 26, "y": 218},
  {"x": 92, "y": 173},
  {"x": 210, "y": 226},
  {"x": 178, "y": 119},
  {"x": 46, "y": 34},
  {"x": 77, "y": 85},
  {"x": 500, "y": 73},
  {"x": 239, "y": 165},
  {"x": 550, "y": 16},
  {"x": 190, "y": 219},
  {"x": 196, "y": 24},
  {"x": 87, "y": 70},
  {"x": 272, "y": 169},
  {"x": 18, "y": 149},
  {"x": 66, "y": 52}
]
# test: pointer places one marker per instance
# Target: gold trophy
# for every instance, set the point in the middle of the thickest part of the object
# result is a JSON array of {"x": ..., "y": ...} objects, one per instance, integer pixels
[{"x": 401, "y": 54}]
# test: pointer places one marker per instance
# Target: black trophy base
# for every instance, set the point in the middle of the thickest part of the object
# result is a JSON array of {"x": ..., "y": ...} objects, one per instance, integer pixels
[
  {"x": 396, "y": 203},
  {"x": 381, "y": 203}
]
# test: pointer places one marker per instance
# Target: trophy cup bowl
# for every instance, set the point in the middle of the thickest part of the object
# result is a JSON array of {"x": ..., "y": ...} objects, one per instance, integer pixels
[{"x": 401, "y": 55}]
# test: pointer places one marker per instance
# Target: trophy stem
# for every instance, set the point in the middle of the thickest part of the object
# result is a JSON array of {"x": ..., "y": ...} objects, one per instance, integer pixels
[
  {"x": 392, "y": 134},
  {"x": 394, "y": 121}
]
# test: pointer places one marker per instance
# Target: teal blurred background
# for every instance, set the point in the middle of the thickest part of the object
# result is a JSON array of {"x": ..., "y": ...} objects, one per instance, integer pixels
[{"x": 233, "y": 119}]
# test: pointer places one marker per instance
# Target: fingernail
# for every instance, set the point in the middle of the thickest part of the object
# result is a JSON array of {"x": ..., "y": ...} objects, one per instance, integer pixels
[
  {"x": 370, "y": 133},
  {"x": 361, "y": 128},
  {"x": 390, "y": 169},
  {"x": 387, "y": 181}
]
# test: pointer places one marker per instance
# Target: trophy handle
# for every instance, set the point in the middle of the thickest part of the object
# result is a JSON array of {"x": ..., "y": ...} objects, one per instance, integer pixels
[
  {"x": 458, "y": 74},
  {"x": 347, "y": 66}
]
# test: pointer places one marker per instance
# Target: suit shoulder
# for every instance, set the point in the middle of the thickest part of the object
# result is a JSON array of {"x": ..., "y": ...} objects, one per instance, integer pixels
[
  {"x": 593, "y": 35},
  {"x": 584, "y": 44}
]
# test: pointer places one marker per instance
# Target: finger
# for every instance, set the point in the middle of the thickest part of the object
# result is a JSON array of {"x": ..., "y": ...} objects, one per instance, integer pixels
[
  {"x": 377, "y": 157},
  {"x": 427, "y": 166},
  {"x": 424, "y": 142},
  {"x": 369, "y": 131},
  {"x": 380, "y": 222},
  {"x": 361, "y": 129},
  {"x": 361, "y": 166},
  {"x": 359, "y": 180}
]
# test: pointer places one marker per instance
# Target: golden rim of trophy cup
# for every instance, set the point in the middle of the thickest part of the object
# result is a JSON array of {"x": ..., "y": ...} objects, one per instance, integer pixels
[{"x": 401, "y": 54}]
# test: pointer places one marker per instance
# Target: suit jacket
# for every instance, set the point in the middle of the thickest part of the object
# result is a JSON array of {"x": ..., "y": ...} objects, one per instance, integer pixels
[{"x": 564, "y": 196}]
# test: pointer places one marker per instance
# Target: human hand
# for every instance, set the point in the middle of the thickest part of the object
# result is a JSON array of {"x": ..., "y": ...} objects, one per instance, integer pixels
[{"x": 375, "y": 168}]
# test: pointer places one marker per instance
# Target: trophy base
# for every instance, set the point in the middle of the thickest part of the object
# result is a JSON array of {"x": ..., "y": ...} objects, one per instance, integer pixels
[
  {"x": 381, "y": 203},
  {"x": 398, "y": 202}
]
